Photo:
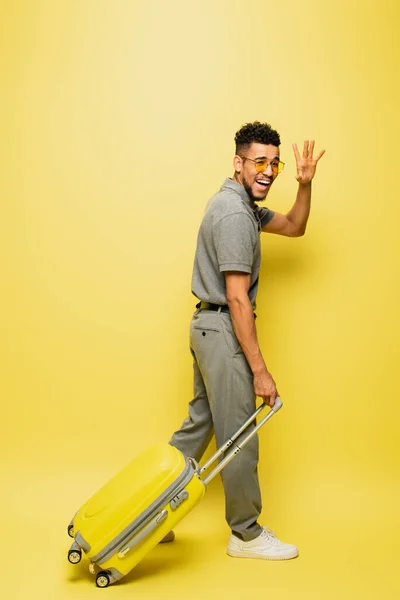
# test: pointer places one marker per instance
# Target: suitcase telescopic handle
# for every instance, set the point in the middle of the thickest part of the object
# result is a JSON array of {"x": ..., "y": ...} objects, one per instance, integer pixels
[{"x": 274, "y": 409}]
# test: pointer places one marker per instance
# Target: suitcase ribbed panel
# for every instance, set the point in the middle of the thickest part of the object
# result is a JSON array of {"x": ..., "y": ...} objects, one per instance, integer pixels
[
  {"x": 196, "y": 490},
  {"x": 127, "y": 495},
  {"x": 146, "y": 516}
]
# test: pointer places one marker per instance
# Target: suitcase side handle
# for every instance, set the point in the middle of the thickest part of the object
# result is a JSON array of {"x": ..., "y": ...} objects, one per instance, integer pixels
[
  {"x": 154, "y": 523},
  {"x": 274, "y": 409}
]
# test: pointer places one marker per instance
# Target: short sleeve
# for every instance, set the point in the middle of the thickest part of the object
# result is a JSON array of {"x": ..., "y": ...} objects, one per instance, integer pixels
[
  {"x": 265, "y": 215},
  {"x": 234, "y": 240}
]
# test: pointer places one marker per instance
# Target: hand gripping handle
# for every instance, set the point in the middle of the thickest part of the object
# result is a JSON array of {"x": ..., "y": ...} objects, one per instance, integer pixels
[{"x": 277, "y": 405}]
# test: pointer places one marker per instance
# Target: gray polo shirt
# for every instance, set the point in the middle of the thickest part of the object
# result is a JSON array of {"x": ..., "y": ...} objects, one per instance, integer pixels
[{"x": 228, "y": 240}]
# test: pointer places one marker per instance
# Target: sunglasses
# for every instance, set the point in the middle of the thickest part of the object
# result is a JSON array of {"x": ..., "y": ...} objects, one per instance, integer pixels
[{"x": 261, "y": 164}]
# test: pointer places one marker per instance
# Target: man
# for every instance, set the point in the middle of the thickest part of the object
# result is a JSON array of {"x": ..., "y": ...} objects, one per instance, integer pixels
[{"x": 229, "y": 369}]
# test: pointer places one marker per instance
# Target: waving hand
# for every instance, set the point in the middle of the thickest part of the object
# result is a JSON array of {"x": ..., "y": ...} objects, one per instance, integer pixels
[{"x": 306, "y": 164}]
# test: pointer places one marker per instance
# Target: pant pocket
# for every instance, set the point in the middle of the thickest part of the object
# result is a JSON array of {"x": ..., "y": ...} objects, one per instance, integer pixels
[
  {"x": 230, "y": 337},
  {"x": 205, "y": 328}
]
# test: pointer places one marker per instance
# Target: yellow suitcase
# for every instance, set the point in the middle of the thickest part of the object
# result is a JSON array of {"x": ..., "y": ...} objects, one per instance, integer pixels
[{"x": 131, "y": 514}]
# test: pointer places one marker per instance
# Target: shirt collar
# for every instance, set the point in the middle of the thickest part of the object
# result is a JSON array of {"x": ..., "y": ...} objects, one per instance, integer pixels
[{"x": 231, "y": 184}]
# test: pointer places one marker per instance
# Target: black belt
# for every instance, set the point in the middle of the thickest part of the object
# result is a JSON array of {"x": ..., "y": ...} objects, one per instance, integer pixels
[{"x": 208, "y": 306}]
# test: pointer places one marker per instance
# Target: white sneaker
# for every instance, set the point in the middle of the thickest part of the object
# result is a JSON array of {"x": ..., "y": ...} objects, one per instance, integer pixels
[{"x": 266, "y": 546}]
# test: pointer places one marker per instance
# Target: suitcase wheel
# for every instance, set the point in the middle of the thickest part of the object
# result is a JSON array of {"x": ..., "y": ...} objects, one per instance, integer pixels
[
  {"x": 71, "y": 532},
  {"x": 103, "y": 579},
  {"x": 75, "y": 556}
]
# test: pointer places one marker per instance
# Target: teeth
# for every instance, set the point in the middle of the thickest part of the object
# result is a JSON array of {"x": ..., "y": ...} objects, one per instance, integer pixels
[{"x": 263, "y": 182}]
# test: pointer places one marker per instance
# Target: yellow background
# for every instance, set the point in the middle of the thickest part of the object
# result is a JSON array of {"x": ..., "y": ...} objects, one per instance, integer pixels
[{"x": 117, "y": 124}]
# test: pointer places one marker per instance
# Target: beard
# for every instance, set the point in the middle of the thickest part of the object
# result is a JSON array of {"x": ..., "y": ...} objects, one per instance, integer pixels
[{"x": 250, "y": 193}]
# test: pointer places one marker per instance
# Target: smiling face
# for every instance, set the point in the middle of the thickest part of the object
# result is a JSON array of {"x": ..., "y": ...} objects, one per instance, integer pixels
[{"x": 257, "y": 184}]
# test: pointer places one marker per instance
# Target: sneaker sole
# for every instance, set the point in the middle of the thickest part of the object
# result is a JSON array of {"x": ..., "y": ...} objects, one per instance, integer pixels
[{"x": 239, "y": 554}]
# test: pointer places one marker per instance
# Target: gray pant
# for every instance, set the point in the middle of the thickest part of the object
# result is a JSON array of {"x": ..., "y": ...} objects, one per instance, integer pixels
[{"x": 223, "y": 400}]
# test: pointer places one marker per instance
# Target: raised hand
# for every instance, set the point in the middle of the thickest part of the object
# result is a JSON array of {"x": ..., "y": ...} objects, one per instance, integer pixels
[{"x": 306, "y": 164}]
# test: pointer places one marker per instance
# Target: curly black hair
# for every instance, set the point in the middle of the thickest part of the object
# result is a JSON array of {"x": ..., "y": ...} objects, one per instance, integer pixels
[{"x": 261, "y": 133}]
